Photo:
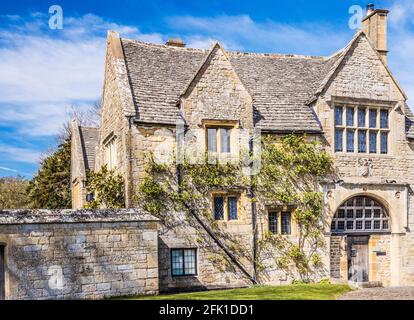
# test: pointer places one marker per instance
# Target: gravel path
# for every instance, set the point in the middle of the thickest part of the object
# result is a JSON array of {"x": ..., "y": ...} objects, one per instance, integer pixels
[{"x": 391, "y": 293}]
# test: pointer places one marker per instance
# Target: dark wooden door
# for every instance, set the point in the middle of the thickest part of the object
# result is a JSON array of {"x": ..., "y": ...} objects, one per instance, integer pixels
[
  {"x": 2, "y": 273},
  {"x": 358, "y": 264}
]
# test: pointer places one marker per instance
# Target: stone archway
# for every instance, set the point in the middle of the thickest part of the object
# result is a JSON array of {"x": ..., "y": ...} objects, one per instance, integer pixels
[{"x": 360, "y": 241}]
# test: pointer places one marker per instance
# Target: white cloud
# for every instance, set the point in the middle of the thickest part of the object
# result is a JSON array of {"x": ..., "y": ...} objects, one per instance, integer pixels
[
  {"x": 243, "y": 33},
  {"x": 8, "y": 169},
  {"x": 401, "y": 44},
  {"x": 43, "y": 72},
  {"x": 18, "y": 154}
]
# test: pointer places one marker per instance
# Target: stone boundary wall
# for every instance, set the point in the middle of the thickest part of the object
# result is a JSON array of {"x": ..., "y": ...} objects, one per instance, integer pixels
[{"x": 83, "y": 254}]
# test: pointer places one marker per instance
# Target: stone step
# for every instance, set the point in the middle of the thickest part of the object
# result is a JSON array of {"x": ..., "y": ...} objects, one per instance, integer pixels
[{"x": 371, "y": 284}]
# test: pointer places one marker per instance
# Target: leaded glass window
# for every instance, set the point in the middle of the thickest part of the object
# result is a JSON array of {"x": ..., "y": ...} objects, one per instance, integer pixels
[
  {"x": 384, "y": 119},
  {"x": 219, "y": 139},
  {"x": 285, "y": 223},
  {"x": 273, "y": 219},
  {"x": 225, "y": 140},
  {"x": 384, "y": 142},
  {"x": 372, "y": 118},
  {"x": 350, "y": 140},
  {"x": 219, "y": 208},
  {"x": 373, "y": 141},
  {"x": 177, "y": 262},
  {"x": 232, "y": 208},
  {"x": 359, "y": 136},
  {"x": 212, "y": 139},
  {"x": 338, "y": 140},
  {"x": 361, "y": 117},
  {"x": 360, "y": 214},
  {"x": 350, "y": 117},
  {"x": 183, "y": 262},
  {"x": 225, "y": 203},
  {"x": 362, "y": 141},
  {"x": 338, "y": 116},
  {"x": 280, "y": 222}
]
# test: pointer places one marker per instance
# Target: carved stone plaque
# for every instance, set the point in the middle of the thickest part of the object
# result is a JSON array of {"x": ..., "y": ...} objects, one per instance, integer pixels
[{"x": 365, "y": 167}]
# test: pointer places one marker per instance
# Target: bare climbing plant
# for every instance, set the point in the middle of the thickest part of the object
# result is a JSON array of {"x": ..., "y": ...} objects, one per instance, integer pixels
[{"x": 292, "y": 169}]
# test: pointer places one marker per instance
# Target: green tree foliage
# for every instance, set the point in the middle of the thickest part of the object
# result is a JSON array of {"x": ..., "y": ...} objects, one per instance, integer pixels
[
  {"x": 50, "y": 188},
  {"x": 13, "y": 193},
  {"x": 107, "y": 188}
]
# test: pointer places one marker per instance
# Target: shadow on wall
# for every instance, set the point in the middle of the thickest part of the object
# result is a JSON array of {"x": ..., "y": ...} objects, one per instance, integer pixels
[
  {"x": 72, "y": 261},
  {"x": 170, "y": 284}
]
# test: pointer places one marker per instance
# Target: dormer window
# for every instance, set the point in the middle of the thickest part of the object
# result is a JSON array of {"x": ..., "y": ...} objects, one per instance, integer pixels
[
  {"x": 361, "y": 129},
  {"x": 219, "y": 139}
]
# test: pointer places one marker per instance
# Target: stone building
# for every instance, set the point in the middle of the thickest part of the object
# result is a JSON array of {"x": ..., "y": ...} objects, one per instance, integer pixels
[
  {"x": 77, "y": 254},
  {"x": 349, "y": 101}
]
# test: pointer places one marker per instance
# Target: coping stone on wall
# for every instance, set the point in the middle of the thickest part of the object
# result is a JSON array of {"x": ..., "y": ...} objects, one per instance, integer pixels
[{"x": 42, "y": 216}]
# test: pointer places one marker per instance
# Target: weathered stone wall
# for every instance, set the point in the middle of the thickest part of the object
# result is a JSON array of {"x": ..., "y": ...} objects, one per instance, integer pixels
[
  {"x": 116, "y": 110},
  {"x": 210, "y": 273},
  {"x": 380, "y": 259},
  {"x": 214, "y": 269},
  {"x": 79, "y": 254},
  {"x": 217, "y": 93},
  {"x": 335, "y": 256}
]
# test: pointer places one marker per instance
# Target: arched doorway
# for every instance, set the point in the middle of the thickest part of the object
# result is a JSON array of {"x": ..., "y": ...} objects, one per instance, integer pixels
[{"x": 355, "y": 221}]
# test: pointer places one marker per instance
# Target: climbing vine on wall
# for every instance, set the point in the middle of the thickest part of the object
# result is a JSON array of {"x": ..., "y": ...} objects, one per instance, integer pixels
[
  {"x": 291, "y": 175},
  {"x": 107, "y": 189},
  {"x": 291, "y": 172}
]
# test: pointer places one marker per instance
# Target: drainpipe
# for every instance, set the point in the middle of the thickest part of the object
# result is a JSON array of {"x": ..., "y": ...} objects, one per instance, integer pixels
[
  {"x": 254, "y": 223},
  {"x": 206, "y": 228},
  {"x": 129, "y": 182}
]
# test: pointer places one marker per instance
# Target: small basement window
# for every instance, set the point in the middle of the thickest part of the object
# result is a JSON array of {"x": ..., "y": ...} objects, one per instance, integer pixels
[{"x": 183, "y": 262}]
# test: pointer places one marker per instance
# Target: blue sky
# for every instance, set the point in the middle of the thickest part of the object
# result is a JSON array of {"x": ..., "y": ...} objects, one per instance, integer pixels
[{"x": 44, "y": 73}]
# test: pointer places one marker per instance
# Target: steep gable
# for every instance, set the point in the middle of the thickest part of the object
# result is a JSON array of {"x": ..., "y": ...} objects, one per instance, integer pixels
[
  {"x": 216, "y": 92},
  {"x": 83, "y": 148},
  {"x": 158, "y": 76},
  {"x": 362, "y": 74}
]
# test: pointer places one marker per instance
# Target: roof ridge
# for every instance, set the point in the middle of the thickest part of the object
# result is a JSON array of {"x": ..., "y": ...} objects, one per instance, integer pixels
[
  {"x": 164, "y": 46},
  {"x": 232, "y": 52},
  {"x": 275, "y": 55}
]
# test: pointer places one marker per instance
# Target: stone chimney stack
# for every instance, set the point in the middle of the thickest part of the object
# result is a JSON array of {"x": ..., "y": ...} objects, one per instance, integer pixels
[
  {"x": 175, "y": 43},
  {"x": 375, "y": 27}
]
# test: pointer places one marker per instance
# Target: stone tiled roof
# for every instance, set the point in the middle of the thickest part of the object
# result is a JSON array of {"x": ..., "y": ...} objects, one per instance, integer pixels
[
  {"x": 158, "y": 75},
  {"x": 280, "y": 85},
  {"x": 409, "y": 122},
  {"x": 89, "y": 140}
]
